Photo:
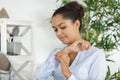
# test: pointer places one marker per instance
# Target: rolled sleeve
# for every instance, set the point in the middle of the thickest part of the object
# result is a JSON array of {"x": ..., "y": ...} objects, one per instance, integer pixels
[{"x": 72, "y": 77}]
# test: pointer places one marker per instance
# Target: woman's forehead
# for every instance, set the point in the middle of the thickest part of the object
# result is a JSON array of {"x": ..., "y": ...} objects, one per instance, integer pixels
[{"x": 58, "y": 19}]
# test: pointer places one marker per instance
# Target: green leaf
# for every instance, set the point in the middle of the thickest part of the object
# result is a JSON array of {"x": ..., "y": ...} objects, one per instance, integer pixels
[
  {"x": 110, "y": 60},
  {"x": 108, "y": 74},
  {"x": 115, "y": 37}
]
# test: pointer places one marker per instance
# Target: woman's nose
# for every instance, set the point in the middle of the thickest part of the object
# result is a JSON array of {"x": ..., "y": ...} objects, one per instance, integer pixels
[{"x": 59, "y": 32}]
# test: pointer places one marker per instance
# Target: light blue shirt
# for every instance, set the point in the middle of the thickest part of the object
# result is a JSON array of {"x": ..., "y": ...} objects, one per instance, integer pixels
[{"x": 88, "y": 65}]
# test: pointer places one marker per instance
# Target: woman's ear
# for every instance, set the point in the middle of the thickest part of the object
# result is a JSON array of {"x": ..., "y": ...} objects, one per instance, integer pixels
[{"x": 77, "y": 24}]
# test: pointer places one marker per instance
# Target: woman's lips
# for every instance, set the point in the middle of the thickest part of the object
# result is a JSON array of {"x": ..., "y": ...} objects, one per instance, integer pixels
[{"x": 62, "y": 38}]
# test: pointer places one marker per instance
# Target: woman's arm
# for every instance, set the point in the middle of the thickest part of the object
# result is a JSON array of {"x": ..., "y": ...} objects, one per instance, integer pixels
[
  {"x": 77, "y": 46},
  {"x": 64, "y": 61},
  {"x": 44, "y": 72},
  {"x": 98, "y": 67}
]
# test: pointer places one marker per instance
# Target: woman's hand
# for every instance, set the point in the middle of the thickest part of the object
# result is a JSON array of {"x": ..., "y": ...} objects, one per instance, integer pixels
[
  {"x": 63, "y": 56},
  {"x": 77, "y": 46},
  {"x": 65, "y": 62}
]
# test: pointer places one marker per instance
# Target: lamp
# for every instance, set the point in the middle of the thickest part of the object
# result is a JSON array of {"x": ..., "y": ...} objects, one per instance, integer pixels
[{"x": 3, "y": 13}]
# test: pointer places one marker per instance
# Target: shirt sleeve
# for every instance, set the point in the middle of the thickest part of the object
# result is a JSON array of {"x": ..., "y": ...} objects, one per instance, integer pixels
[
  {"x": 45, "y": 71},
  {"x": 72, "y": 77},
  {"x": 98, "y": 68}
]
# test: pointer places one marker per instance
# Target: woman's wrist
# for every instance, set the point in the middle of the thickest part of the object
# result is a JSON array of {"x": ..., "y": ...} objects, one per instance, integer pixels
[
  {"x": 67, "y": 50},
  {"x": 67, "y": 74}
]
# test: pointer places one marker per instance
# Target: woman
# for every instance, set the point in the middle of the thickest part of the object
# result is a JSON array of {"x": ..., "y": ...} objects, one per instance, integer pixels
[{"x": 77, "y": 61}]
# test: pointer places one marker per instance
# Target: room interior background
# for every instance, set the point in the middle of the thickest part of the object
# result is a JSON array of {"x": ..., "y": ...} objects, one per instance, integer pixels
[{"x": 44, "y": 39}]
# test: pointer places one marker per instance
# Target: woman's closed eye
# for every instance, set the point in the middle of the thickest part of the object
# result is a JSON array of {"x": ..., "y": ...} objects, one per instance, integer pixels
[
  {"x": 63, "y": 27},
  {"x": 55, "y": 29}
]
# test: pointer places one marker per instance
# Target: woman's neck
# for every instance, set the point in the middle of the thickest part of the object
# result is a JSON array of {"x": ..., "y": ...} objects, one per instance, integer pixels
[{"x": 76, "y": 39}]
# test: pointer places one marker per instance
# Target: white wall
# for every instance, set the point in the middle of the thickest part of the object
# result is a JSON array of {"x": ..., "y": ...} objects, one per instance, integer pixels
[{"x": 39, "y": 11}]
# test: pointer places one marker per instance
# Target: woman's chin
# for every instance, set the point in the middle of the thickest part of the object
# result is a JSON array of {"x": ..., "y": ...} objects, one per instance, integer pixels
[{"x": 65, "y": 42}]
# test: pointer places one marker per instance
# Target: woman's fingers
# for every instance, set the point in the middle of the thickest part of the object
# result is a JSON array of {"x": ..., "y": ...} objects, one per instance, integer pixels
[
  {"x": 80, "y": 46},
  {"x": 61, "y": 55},
  {"x": 86, "y": 45},
  {"x": 58, "y": 55},
  {"x": 63, "y": 58}
]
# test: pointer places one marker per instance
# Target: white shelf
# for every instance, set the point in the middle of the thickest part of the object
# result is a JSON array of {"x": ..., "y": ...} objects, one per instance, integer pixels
[
  {"x": 16, "y": 22},
  {"x": 29, "y": 56},
  {"x": 21, "y": 58}
]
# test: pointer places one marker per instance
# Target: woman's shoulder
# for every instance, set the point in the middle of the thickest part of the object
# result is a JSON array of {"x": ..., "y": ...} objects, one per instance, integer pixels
[
  {"x": 94, "y": 52},
  {"x": 91, "y": 55}
]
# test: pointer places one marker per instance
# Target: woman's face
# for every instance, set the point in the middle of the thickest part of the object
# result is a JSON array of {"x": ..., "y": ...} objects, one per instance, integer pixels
[{"x": 65, "y": 29}]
